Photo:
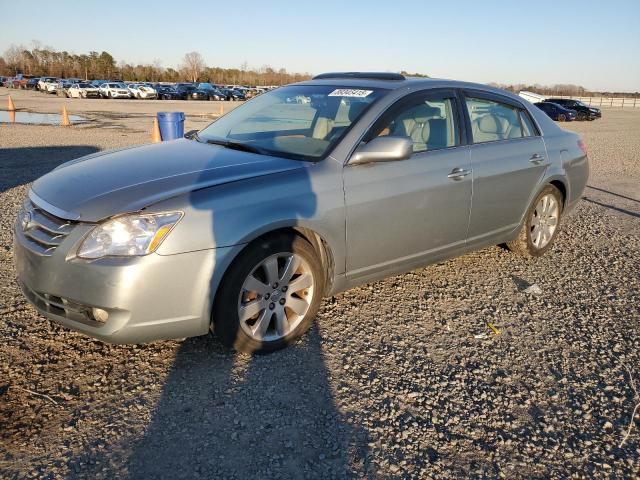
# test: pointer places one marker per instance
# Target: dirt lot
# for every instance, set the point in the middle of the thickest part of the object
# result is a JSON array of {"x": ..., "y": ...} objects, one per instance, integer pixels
[{"x": 401, "y": 378}]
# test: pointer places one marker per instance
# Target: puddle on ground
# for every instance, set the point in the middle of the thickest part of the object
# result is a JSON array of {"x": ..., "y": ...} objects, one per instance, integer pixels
[{"x": 37, "y": 118}]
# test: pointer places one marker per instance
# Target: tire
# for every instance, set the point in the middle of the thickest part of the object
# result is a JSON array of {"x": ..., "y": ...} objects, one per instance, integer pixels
[
  {"x": 271, "y": 304},
  {"x": 562, "y": 118},
  {"x": 525, "y": 244},
  {"x": 581, "y": 116}
]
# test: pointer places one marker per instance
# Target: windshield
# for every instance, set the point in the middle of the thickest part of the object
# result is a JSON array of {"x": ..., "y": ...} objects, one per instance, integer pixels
[
  {"x": 85, "y": 85},
  {"x": 300, "y": 121}
]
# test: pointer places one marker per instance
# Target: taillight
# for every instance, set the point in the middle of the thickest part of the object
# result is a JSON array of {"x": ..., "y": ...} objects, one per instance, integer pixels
[{"x": 582, "y": 147}]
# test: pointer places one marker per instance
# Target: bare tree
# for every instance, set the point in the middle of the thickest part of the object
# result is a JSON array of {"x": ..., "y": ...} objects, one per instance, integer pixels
[{"x": 193, "y": 64}]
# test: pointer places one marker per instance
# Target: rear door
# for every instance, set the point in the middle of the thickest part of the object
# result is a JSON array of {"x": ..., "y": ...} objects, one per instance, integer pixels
[
  {"x": 508, "y": 158},
  {"x": 401, "y": 214}
]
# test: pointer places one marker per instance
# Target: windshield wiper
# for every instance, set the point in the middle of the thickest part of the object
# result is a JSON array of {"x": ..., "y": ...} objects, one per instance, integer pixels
[{"x": 235, "y": 145}]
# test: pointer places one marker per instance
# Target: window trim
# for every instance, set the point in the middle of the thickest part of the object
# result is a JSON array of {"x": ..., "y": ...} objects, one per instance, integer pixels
[
  {"x": 433, "y": 93},
  {"x": 536, "y": 129},
  {"x": 496, "y": 97}
]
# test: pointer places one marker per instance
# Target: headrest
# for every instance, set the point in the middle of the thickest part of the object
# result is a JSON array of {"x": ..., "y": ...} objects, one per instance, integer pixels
[
  {"x": 490, "y": 124},
  {"x": 424, "y": 113}
]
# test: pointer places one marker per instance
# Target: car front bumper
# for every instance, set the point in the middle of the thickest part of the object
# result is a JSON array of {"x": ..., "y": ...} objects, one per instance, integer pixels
[{"x": 147, "y": 298}]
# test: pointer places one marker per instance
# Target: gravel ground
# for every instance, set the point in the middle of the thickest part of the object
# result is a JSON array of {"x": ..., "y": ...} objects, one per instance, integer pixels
[{"x": 398, "y": 379}]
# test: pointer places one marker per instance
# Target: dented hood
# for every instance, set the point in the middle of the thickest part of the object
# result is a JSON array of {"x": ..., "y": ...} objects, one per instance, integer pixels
[{"x": 104, "y": 184}]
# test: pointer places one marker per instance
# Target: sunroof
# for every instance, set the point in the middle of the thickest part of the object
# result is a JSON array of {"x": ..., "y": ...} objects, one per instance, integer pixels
[{"x": 362, "y": 75}]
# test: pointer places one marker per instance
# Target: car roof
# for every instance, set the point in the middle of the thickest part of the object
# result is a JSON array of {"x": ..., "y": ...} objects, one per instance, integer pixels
[{"x": 397, "y": 81}]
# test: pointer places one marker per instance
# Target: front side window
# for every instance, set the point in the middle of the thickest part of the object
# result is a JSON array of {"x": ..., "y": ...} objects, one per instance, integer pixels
[
  {"x": 429, "y": 123},
  {"x": 493, "y": 121},
  {"x": 302, "y": 122}
]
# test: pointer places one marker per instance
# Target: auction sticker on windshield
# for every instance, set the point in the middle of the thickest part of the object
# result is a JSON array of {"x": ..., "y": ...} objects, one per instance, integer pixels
[{"x": 349, "y": 92}]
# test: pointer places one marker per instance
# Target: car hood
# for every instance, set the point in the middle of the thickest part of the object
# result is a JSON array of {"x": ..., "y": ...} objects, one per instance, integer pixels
[{"x": 127, "y": 180}]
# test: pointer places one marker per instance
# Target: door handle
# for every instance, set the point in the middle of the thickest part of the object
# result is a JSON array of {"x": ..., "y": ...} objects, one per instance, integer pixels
[
  {"x": 536, "y": 158},
  {"x": 458, "y": 173}
]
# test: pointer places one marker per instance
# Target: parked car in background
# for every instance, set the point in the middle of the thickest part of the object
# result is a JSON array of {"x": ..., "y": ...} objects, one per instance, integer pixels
[
  {"x": 212, "y": 92},
  {"x": 51, "y": 85},
  {"x": 114, "y": 90},
  {"x": 32, "y": 83},
  {"x": 97, "y": 83},
  {"x": 3, "y": 80},
  {"x": 20, "y": 81},
  {"x": 583, "y": 111},
  {"x": 167, "y": 92},
  {"x": 43, "y": 82},
  {"x": 61, "y": 88},
  {"x": 264, "y": 218},
  {"x": 188, "y": 91},
  {"x": 557, "y": 112},
  {"x": 233, "y": 95},
  {"x": 83, "y": 90},
  {"x": 142, "y": 91}
]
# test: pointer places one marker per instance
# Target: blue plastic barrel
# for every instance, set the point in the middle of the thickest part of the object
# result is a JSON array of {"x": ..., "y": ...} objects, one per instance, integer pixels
[{"x": 171, "y": 125}]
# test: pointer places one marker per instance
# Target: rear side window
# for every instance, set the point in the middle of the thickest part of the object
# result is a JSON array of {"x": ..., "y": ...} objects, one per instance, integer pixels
[
  {"x": 528, "y": 128},
  {"x": 492, "y": 121}
]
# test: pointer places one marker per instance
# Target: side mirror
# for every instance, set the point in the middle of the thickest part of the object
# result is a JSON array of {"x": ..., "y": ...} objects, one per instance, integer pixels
[
  {"x": 190, "y": 134},
  {"x": 383, "y": 149}
]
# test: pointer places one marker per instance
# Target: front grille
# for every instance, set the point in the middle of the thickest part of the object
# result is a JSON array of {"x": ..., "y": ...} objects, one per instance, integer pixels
[
  {"x": 43, "y": 231},
  {"x": 60, "y": 306}
]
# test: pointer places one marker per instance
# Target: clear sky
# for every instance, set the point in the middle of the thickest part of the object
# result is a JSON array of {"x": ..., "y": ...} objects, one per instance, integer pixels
[{"x": 590, "y": 43}]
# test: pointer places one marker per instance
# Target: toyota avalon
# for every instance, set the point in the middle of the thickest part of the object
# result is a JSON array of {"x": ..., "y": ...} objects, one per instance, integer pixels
[{"x": 241, "y": 228}]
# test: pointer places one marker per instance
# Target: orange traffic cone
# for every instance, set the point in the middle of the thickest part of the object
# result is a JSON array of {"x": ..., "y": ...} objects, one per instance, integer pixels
[
  {"x": 155, "y": 132},
  {"x": 12, "y": 116},
  {"x": 10, "y": 106},
  {"x": 65, "y": 118}
]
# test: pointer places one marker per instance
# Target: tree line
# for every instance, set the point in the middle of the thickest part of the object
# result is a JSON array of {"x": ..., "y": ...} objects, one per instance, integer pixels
[
  {"x": 45, "y": 61},
  {"x": 564, "y": 89}
]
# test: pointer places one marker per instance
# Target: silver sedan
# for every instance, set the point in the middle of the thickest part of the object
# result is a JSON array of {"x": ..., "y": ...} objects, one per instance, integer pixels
[{"x": 300, "y": 193}]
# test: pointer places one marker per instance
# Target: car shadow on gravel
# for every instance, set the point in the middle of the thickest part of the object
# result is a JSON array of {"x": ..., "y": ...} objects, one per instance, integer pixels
[
  {"x": 24, "y": 165},
  {"x": 223, "y": 415}
]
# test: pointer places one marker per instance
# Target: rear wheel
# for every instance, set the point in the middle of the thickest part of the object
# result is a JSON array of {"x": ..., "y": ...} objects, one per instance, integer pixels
[
  {"x": 540, "y": 224},
  {"x": 270, "y": 295}
]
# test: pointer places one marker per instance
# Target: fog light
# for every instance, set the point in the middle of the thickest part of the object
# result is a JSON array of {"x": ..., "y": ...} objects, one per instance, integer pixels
[{"x": 100, "y": 315}]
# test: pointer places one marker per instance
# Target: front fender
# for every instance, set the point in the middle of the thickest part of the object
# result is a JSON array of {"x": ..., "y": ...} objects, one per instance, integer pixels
[{"x": 239, "y": 212}]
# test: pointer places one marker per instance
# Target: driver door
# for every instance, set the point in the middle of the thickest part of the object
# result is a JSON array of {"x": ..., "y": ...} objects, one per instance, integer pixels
[{"x": 403, "y": 214}]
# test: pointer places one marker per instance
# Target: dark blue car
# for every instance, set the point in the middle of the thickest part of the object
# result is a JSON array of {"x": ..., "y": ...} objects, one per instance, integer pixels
[{"x": 557, "y": 112}]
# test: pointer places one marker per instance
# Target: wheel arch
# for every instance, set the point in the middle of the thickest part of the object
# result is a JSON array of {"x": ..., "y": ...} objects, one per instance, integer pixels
[
  {"x": 317, "y": 241},
  {"x": 560, "y": 185}
]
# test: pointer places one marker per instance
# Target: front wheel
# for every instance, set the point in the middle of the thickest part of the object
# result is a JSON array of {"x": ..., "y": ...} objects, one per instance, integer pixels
[
  {"x": 562, "y": 118},
  {"x": 540, "y": 224},
  {"x": 270, "y": 295}
]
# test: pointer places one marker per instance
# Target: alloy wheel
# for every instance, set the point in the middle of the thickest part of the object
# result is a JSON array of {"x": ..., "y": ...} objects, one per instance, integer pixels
[
  {"x": 275, "y": 297},
  {"x": 544, "y": 220}
]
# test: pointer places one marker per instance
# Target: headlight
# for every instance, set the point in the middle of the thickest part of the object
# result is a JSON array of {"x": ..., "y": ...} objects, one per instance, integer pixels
[{"x": 130, "y": 235}]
